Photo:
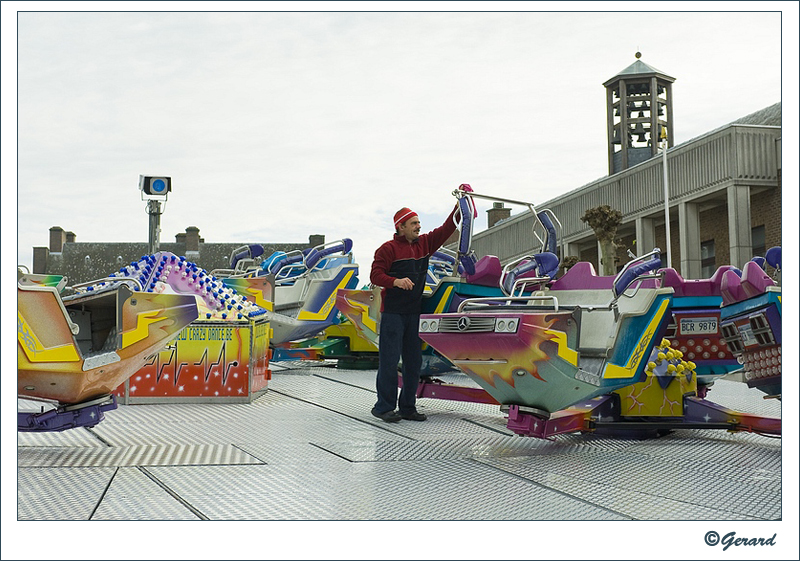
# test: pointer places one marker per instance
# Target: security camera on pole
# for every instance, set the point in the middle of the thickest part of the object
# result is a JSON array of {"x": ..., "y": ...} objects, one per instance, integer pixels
[{"x": 154, "y": 190}]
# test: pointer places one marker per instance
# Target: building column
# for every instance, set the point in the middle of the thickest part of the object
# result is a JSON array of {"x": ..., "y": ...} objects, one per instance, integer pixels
[
  {"x": 570, "y": 249},
  {"x": 689, "y": 237},
  {"x": 739, "y": 231},
  {"x": 645, "y": 236}
]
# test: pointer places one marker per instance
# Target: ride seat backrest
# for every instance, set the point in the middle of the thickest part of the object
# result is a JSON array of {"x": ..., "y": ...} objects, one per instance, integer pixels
[
  {"x": 50, "y": 314},
  {"x": 487, "y": 271},
  {"x": 551, "y": 242},
  {"x": 774, "y": 257},
  {"x": 694, "y": 287},
  {"x": 731, "y": 288},
  {"x": 465, "y": 238},
  {"x": 582, "y": 276},
  {"x": 755, "y": 280},
  {"x": 547, "y": 264},
  {"x": 598, "y": 328}
]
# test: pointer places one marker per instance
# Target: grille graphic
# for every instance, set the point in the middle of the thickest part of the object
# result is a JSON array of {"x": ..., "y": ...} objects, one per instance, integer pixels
[{"x": 474, "y": 325}]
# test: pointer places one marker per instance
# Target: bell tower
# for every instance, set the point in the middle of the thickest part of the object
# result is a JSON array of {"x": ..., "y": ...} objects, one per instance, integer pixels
[{"x": 638, "y": 105}]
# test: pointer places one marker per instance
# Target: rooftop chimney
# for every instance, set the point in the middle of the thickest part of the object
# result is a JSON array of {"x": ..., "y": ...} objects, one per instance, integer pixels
[
  {"x": 192, "y": 238},
  {"x": 497, "y": 213},
  {"x": 57, "y": 239}
]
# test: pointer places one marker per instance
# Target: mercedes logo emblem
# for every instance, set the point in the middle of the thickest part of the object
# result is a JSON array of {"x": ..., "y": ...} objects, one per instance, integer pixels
[{"x": 463, "y": 323}]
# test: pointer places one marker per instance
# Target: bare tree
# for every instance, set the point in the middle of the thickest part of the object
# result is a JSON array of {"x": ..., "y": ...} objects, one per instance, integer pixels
[
  {"x": 604, "y": 220},
  {"x": 568, "y": 262}
]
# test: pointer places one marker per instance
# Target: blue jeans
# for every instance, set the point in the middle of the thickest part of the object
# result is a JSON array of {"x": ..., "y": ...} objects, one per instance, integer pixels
[{"x": 399, "y": 336}]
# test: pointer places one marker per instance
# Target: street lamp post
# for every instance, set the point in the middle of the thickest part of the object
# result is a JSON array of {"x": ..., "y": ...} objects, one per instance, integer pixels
[{"x": 666, "y": 194}]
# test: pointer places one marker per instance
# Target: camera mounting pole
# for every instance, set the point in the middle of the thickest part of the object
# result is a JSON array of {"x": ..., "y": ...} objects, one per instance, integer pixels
[
  {"x": 155, "y": 190},
  {"x": 154, "y": 210}
]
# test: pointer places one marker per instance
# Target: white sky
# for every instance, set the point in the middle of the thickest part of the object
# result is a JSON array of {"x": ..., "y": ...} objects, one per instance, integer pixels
[{"x": 274, "y": 126}]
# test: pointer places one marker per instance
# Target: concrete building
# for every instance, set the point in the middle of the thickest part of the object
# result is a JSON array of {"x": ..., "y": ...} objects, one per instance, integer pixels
[
  {"x": 724, "y": 187},
  {"x": 83, "y": 262}
]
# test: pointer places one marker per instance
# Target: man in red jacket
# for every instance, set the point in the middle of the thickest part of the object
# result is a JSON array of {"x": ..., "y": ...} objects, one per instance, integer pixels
[{"x": 400, "y": 267}]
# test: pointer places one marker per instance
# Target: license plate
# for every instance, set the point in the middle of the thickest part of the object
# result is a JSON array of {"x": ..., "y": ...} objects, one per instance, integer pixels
[
  {"x": 699, "y": 326},
  {"x": 747, "y": 335}
]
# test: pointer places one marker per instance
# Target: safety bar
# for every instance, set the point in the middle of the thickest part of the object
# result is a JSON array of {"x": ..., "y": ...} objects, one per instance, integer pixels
[
  {"x": 544, "y": 263},
  {"x": 459, "y": 193},
  {"x": 109, "y": 279},
  {"x": 507, "y": 271},
  {"x": 552, "y": 239},
  {"x": 522, "y": 283},
  {"x": 638, "y": 280},
  {"x": 628, "y": 274},
  {"x": 444, "y": 254},
  {"x": 250, "y": 251},
  {"x": 288, "y": 258},
  {"x": 227, "y": 273},
  {"x": 316, "y": 254},
  {"x": 444, "y": 257}
]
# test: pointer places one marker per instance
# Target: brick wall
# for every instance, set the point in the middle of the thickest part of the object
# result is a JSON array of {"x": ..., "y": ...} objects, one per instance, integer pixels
[
  {"x": 714, "y": 226},
  {"x": 765, "y": 209},
  {"x": 625, "y": 243}
]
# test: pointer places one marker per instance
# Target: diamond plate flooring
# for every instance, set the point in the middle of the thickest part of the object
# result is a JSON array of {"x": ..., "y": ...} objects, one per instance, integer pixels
[{"x": 308, "y": 449}]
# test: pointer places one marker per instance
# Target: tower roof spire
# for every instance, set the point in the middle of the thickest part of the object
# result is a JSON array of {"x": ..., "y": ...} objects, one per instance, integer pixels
[{"x": 639, "y": 69}]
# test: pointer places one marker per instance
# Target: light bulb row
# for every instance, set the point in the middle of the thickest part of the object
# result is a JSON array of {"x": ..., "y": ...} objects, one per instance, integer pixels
[{"x": 158, "y": 272}]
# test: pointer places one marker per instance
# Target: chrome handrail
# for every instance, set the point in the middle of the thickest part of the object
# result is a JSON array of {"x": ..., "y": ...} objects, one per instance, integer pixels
[
  {"x": 526, "y": 281},
  {"x": 488, "y": 301}
]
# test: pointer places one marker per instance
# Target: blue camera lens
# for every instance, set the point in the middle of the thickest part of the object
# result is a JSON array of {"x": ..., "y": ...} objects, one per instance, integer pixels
[{"x": 159, "y": 186}]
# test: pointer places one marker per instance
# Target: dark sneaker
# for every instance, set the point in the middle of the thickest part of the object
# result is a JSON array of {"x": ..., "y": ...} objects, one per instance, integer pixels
[
  {"x": 389, "y": 416},
  {"x": 413, "y": 416}
]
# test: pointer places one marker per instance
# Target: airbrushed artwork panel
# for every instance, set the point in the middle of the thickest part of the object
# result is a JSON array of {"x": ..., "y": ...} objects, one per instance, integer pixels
[{"x": 214, "y": 360}]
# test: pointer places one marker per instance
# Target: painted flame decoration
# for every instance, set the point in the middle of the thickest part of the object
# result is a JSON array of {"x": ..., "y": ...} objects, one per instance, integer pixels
[
  {"x": 532, "y": 333},
  {"x": 347, "y": 301}
]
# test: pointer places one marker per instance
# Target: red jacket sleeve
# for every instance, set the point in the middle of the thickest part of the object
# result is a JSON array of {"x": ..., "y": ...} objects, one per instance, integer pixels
[
  {"x": 437, "y": 237},
  {"x": 382, "y": 261}
]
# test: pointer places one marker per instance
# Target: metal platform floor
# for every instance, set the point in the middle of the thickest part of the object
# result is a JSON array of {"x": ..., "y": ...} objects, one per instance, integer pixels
[{"x": 309, "y": 450}]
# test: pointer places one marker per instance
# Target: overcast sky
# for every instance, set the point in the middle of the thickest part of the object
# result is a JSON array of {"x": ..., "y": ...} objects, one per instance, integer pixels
[{"x": 274, "y": 126}]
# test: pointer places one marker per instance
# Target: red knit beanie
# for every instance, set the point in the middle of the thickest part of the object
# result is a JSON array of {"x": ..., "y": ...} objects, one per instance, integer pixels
[{"x": 402, "y": 215}]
